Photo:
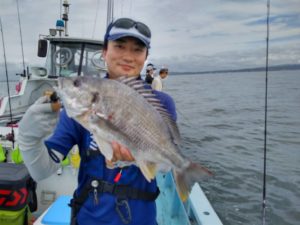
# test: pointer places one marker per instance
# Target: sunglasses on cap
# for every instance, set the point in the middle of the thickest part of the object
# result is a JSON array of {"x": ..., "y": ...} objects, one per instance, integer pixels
[{"x": 126, "y": 23}]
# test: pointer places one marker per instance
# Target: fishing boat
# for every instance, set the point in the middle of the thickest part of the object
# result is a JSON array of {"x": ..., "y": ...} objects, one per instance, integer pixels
[
  {"x": 66, "y": 56},
  {"x": 71, "y": 56}
]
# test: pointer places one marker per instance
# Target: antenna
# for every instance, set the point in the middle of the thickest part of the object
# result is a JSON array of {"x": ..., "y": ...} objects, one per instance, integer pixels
[
  {"x": 60, "y": 4},
  {"x": 65, "y": 16},
  {"x": 266, "y": 113},
  {"x": 7, "y": 82}
]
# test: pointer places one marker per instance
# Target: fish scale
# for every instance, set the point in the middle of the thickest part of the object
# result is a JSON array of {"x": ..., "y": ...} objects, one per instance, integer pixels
[
  {"x": 133, "y": 125},
  {"x": 125, "y": 111}
]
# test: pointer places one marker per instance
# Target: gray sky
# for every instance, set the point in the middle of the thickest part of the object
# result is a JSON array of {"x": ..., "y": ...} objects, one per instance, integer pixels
[{"x": 191, "y": 35}]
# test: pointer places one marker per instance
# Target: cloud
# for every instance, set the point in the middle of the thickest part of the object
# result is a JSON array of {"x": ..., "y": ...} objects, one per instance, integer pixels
[
  {"x": 285, "y": 21},
  {"x": 199, "y": 35}
]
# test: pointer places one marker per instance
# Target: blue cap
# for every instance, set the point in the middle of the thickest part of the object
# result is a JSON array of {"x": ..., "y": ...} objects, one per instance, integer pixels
[{"x": 113, "y": 33}]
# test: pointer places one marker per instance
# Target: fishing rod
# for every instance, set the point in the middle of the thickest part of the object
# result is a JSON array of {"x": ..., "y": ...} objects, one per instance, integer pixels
[
  {"x": 24, "y": 71},
  {"x": 8, "y": 90},
  {"x": 266, "y": 113}
]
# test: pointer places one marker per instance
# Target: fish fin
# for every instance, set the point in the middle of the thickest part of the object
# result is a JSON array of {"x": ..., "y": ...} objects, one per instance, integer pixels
[
  {"x": 152, "y": 99},
  {"x": 122, "y": 164},
  {"x": 105, "y": 148},
  {"x": 100, "y": 115},
  {"x": 148, "y": 170},
  {"x": 186, "y": 178},
  {"x": 173, "y": 128}
]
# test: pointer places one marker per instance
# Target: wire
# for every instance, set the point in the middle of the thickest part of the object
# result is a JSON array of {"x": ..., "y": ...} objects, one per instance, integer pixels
[
  {"x": 7, "y": 82},
  {"x": 266, "y": 117},
  {"x": 24, "y": 71}
]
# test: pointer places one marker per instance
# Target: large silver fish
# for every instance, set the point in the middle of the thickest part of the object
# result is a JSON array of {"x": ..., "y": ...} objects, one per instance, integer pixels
[{"x": 125, "y": 111}]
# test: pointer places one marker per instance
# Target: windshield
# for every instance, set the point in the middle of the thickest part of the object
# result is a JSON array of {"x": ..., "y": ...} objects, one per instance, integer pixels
[{"x": 71, "y": 59}]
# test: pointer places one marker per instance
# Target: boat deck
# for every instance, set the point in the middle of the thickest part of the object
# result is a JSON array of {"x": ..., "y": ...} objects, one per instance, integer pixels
[{"x": 170, "y": 209}]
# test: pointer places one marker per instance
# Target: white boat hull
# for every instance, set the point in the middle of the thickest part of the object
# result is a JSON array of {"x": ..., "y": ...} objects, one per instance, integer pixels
[{"x": 31, "y": 90}]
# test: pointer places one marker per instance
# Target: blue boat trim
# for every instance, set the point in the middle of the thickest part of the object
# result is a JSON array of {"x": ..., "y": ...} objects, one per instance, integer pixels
[{"x": 171, "y": 210}]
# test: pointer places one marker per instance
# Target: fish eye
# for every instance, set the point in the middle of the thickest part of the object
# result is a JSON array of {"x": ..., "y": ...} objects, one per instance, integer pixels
[{"x": 77, "y": 83}]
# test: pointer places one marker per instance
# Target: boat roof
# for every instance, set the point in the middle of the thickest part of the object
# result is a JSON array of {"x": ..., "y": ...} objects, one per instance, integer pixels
[{"x": 74, "y": 40}]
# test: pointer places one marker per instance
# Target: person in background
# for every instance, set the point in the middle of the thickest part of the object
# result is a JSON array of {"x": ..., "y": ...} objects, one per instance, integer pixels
[
  {"x": 104, "y": 196},
  {"x": 157, "y": 83},
  {"x": 150, "y": 73}
]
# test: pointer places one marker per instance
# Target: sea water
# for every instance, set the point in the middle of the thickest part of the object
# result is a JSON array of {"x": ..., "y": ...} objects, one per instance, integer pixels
[{"x": 221, "y": 118}]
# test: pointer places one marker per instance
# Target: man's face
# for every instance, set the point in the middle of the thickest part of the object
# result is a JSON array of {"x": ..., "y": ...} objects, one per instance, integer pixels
[
  {"x": 150, "y": 71},
  {"x": 164, "y": 74},
  {"x": 125, "y": 56}
]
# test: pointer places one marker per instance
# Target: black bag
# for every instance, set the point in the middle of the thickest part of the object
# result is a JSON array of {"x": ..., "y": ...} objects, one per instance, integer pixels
[{"x": 17, "y": 188}]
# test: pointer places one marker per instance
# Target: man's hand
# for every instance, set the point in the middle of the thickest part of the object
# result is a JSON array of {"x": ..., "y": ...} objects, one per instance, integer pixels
[
  {"x": 38, "y": 122},
  {"x": 120, "y": 154}
]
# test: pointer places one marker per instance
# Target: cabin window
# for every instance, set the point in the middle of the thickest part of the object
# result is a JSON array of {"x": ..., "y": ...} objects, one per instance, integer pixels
[{"x": 65, "y": 58}]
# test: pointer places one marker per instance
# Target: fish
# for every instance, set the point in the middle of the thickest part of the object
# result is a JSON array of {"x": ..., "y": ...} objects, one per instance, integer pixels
[{"x": 126, "y": 111}]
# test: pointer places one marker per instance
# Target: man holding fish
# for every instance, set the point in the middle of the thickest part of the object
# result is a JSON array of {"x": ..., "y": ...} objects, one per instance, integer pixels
[{"x": 109, "y": 121}]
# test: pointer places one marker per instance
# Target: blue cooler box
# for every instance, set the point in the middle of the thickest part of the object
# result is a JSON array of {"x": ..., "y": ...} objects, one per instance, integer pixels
[{"x": 59, "y": 212}]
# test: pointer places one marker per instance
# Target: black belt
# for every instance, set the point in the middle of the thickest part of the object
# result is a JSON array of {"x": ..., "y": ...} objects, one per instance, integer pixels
[
  {"x": 122, "y": 193},
  {"x": 119, "y": 190},
  {"x": 125, "y": 191}
]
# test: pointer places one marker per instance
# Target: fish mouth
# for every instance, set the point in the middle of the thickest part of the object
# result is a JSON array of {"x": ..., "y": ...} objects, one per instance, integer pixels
[
  {"x": 69, "y": 101},
  {"x": 73, "y": 109}
]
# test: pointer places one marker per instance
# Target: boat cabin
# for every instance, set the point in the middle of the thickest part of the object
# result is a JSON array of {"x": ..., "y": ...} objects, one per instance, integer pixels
[
  {"x": 65, "y": 56},
  {"x": 68, "y": 56}
]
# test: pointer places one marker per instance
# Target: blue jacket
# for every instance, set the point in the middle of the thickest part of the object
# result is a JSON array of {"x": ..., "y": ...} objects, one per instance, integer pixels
[{"x": 69, "y": 133}]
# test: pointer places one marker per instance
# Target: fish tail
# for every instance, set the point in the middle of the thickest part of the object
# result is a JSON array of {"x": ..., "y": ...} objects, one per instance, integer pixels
[{"x": 186, "y": 178}]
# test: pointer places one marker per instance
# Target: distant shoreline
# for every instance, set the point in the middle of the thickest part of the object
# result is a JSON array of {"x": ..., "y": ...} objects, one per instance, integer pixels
[
  {"x": 257, "y": 69},
  {"x": 271, "y": 68}
]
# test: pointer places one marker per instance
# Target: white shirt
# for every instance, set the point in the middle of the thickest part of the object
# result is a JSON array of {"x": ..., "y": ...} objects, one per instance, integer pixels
[{"x": 157, "y": 83}]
